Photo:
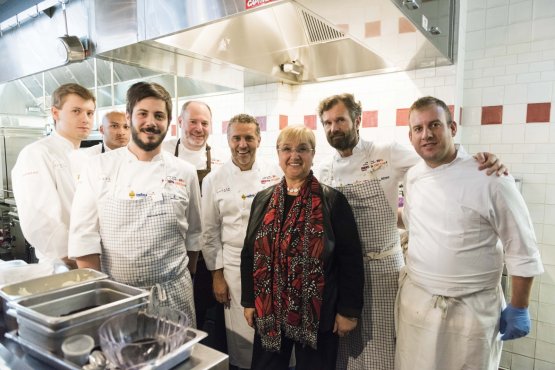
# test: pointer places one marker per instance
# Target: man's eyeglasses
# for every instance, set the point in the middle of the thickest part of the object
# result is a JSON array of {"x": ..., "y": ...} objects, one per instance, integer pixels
[{"x": 300, "y": 150}]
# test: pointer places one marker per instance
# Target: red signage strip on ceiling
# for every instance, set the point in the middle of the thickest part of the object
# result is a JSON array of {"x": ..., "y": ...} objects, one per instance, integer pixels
[{"x": 249, "y": 4}]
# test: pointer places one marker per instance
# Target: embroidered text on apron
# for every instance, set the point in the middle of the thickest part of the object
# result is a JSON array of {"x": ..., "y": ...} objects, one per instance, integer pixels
[
  {"x": 142, "y": 246},
  {"x": 371, "y": 346}
]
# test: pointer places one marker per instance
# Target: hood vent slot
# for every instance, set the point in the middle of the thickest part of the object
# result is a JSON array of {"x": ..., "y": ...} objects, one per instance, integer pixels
[{"x": 319, "y": 31}]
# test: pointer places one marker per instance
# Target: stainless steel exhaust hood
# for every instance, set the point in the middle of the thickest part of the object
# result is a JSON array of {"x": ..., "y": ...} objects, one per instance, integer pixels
[{"x": 213, "y": 40}]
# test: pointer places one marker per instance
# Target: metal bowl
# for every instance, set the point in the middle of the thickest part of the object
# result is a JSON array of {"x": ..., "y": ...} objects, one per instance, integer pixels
[{"x": 133, "y": 340}]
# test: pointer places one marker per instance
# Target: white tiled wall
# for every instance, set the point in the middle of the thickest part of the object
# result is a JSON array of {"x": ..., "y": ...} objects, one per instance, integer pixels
[{"x": 506, "y": 58}]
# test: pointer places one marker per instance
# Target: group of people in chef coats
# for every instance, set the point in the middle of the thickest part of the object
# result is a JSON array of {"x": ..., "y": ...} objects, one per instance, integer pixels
[{"x": 137, "y": 213}]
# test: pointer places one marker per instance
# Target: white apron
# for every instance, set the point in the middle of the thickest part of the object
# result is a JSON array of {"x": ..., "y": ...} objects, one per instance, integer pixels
[
  {"x": 438, "y": 333},
  {"x": 371, "y": 345},
  {"x": 142, "y": 246}
]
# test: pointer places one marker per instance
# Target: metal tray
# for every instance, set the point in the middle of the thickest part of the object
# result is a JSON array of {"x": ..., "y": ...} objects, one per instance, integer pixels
[
  {"x": 165, "y": 363},
  {"x": 48, "y": 283},
  {"x": 65, "y": 307}
]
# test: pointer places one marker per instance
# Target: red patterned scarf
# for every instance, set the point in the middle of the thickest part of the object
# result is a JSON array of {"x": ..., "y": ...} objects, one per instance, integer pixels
[{"x": 288, "y": 267}]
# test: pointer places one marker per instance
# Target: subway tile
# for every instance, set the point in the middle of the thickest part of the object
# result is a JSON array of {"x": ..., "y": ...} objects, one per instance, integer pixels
[
  {"x": 537, "y": 212},
  {"x": 490, "y": 134},
  {"x": 524, "y": 346},
  {"x": 310, "y": 121},
  {"x": 520, "y": 12},
  {"x": 504, "y": 80},
  {"x": 495, "y": 3},
  {"x": 550, "y": 194},
  {"x": 402, "y": 117},
  {"x": 545, "y": 351},
  {"x": 517, "y": 68},
  {"x": 512, "y": 134},
  {"x": 548, "y": 238},
  {"x": 549, "y": 215},
  {"x": 546, "y": 65},
  {"x": 535, "y": 158},
  {"x": 495, "y": 37},
  {"x": 528, "y": 77},
  {"x": 283, "y": 121},
  {"x": 370, "y": 118},
  {"x": 372, "y": 29},
  {"x": 506, "y": 358},
  {"x": 538, "y": 112},
  {"x": 540, "y": 92},
  {"x": 543, "y": 29},
  {"x": 533, "y": 193},
  {"x": 405, "y": 26},
  {"x": 516, "y": 94},
  {"x": 518, "y": 48},
  {"x": 547, "y": 293},
  {"x": 543, "y": 365},
  {"x": 492, "y": 115},
  {"x": 543, "y": 9},
  {"x": 496, "y": 17},
  {"x": 548, "y": 277},
  {"x": 496, "y": 50},
  {"x": 476, "y": 40},
  {"x": 224, "y": 126},
  {"x": 534, "y": 178},
  {"x": 514, "y": 113},
  {"x": 493, "y": 96},
  {"x": 522, "y": 362},
  {"x": 471, "y": 116},
  {"x": 548, "y": 258},
  {"x": 530, "y": 57},
  {"x": 519, "y": 32},
  {"x": 470, "y": 135},
  {"x": 536, "y": 133}
]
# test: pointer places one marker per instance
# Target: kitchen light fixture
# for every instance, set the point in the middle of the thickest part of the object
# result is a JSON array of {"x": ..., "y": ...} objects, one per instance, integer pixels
[
  {"x": 411, "y": 4},
  {"x": 292, "y": 67}
]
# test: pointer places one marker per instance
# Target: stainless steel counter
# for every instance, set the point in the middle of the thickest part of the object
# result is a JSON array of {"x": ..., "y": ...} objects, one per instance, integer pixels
[{"x": 13, "y": 356}]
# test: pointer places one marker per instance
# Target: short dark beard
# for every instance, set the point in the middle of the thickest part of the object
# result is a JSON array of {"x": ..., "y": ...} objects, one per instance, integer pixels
[
  {"x": 349, "y": 141},
  {"x": 147, "y": 147}
]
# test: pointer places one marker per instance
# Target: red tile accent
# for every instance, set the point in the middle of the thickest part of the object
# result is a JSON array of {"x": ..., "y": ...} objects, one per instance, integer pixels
[
  {"x": 372, "y": 29},
  {"x": 402, "y": 117},
  {"x": 283, "y": 121},
  {"x": 310, "y": 121},
  {"x": 538, "y": 112},
  {"x": 492, "y": 115},
  {"x": 370, "y": 118},
  {"x": 343, "y": 27},
  {"x": 173, "y": 130},
  {"x": 224, "y": 127},
  {"x": 262, "y": 122},
  {"x": 405, "y": 26}
]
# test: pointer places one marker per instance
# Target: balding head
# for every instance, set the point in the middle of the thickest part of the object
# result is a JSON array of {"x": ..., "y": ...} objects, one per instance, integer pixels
[{"x": 115, "y": 130}]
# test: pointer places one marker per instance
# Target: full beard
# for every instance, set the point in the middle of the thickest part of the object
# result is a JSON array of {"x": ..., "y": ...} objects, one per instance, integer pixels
[
  {"x": 343, "y": 141},
  {"x": 151, "y": 145}
]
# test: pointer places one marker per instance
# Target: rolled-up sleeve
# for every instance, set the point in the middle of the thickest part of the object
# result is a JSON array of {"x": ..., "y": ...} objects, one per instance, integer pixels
[{"x": 514, "y": 227}]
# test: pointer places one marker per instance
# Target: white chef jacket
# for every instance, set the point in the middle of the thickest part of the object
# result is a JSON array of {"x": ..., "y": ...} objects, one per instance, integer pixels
[
  {"x": 95, "y": 149},
  {"x": 44, "y": 179},
  {"x": 197, "y": 157},
  {"x": 226, "y": 204},
  {"x": 134, "y": 180},
  {"x": 455, "y": 215},
  {"x": 389, "y": 163}
]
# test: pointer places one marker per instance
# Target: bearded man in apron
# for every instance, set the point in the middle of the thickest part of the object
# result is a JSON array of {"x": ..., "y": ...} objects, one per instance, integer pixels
[
  {"x": 137, "y": 208},
  {"x": 369, "y": 174}
]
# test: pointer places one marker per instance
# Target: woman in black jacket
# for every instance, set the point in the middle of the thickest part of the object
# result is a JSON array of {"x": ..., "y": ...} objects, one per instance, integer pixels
[{"x": 301, "y": 264}]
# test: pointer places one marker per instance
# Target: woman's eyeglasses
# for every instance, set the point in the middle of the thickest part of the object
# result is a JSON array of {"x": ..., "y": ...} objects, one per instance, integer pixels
[{"x": 300, "y": 150}]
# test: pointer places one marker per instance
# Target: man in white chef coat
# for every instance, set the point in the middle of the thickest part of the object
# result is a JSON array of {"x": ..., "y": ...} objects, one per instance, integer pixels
[
  {"x": 368, "y": 174},
  {"x": 115, "y": 133},
  {"x": 46, "y": 172},
  {"x": 136, "y": 212},
  {"x": 226, "y": 202},
  {"x": 450, "y": 304},
  {"x": 195, "y": 122}
]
